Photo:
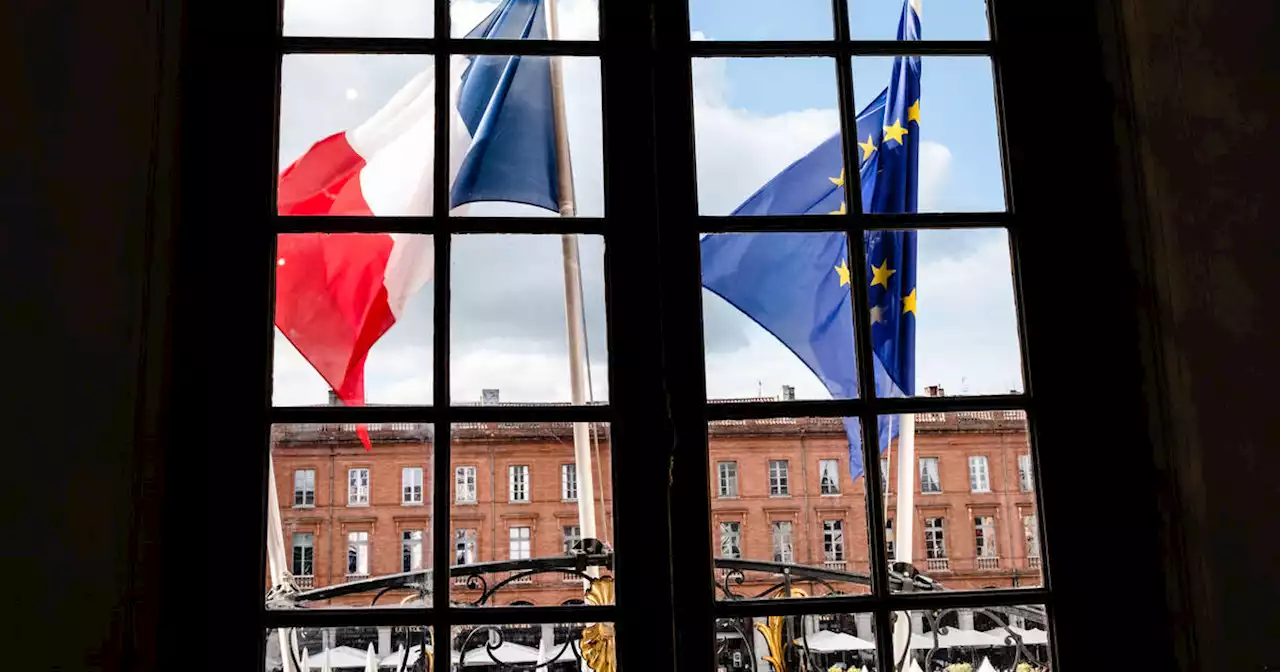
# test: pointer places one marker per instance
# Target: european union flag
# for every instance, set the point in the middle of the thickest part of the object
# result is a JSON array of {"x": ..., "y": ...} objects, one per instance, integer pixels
[
  {"x": 796, "y": 285},
  {"x": 505, "y": 104}
]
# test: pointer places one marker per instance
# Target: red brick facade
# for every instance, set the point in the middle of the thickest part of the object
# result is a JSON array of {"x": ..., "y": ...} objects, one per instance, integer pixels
[{"x": 492, "y": 450}]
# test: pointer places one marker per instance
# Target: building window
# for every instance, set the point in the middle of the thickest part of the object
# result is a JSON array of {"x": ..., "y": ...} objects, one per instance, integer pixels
[
  {"x": 304, "y": 553},
  {"x": 304, "y": 487},
  {"x": 1031, "y": 529},
  {"x": 779, "y": 478},
  {"x": 731, "y": 539},
  {"x": 783, "y": 551},
  {"x": 411, "y": 485},
  {"x": 890, "y": 551},
  {"x": 464, "y": 479},
  {"x": 357, "y": 487},
  {"x": 411, "y": 550},
  {"x": 464, "y": 547},
  {"x": 521, "y": 547},
  {"x": 1026, "y": 481},
  {"x": 884, "y": 474},
  {"x": 727, "y": 473},
  {"x": 979, "y": 477},
  {"x": 572, "y": 534},
  {"x": 935, "y": 540},
  {"x": 829, "y": 473},
  {"x": 357, "y": 554},
  {"x": 984, "y": 536},
  {"x": 833, "y": 540},
  {"x": 929, "y": 481},
  {"x": 518, "y": 483},
  {"x": 569, "y": 482}
]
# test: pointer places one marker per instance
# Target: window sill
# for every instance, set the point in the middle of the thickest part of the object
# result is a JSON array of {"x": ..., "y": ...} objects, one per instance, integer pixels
[
  {"x": 979, "y": 492},
  {"x": 304, "y": 506},
  {"x": 780, "y": 496},
  {"x": 357, "y": 505},
  {"x": 411, "y": 504},
  {"x": 726, "y": 497},
  {"x": 831, "y": 494},
  {"x": 468, "y": 502},
  {"x": 518, "y": 501}
]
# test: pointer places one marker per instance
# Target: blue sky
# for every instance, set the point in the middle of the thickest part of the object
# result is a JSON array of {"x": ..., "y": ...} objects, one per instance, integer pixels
[{"x": 754, "y": 116}]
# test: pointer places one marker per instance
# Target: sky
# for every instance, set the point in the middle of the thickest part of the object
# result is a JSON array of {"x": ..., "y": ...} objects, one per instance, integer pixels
[{"x": 753, "y": 117}]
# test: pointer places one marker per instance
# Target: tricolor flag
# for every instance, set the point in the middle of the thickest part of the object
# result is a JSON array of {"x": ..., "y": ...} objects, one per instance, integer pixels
[{"x": 336, "y": 294}]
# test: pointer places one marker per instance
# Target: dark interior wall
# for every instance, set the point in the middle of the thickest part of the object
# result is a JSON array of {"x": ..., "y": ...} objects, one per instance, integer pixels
[
  {"x": 80, "y": 151},
  {"x": 1205, "y": 89}
]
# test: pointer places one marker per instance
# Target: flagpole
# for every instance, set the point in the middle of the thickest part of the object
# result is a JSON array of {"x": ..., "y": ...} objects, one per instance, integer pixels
[
  {"x": 572, "y": 296},
  {"x": 276, "y": 555}
]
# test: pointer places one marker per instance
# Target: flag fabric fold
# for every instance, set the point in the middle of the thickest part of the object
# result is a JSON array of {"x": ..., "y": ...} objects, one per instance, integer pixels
[
  {"x": 337, "y": 294},
  {"x": 797, "y": 285}
]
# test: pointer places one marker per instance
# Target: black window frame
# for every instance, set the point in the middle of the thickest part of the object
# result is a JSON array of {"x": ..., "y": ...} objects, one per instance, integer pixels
[{"x": 220, "y": 320}]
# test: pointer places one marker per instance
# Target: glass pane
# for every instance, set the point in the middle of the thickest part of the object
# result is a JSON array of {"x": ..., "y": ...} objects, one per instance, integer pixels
[
  {"x": 753, "y": 117},
  {"x": 971, "y": 516},
  {"x": 560, "y": 647},
  {"x": 504, "y": 149},
  {"x": 944, "y": 323},
  {"x": 356, "y": 134},
  {"x": 577, "y": 19},
  {"x": 1014, "y": 638},
  {"x": 336, "y": 292},
  {"x": 392, "y": 647},
  {"x": 358, "y": 535},
  {"x": 778, "y": 517},
  {"x": 949, "y": 20},
  {"x": 760, "y": 20},
  {"x": 778, "y": 316},
  {"x": 832, "y": 642},
  {"x": 953, "y": 118},
  {"x": 510, "y": 335},
  {"x": 358, "y": 18},
  {"x": 517, "y": 521}
]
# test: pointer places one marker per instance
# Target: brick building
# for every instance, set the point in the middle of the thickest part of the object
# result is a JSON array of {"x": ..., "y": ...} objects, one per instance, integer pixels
[{"x": 780, "y": 491}]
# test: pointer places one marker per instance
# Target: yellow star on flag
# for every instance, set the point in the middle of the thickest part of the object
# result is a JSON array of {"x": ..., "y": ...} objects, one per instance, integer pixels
[
  {"x": 909, "y": 302},
  {"x": 913, "y": 112},
  {"x": 838, "y": 181},
  {"x": 844, "y": 208},
  {"x": 868, "y": 147},
  {"x": 843, "y": 271},
  {"x": 877, "y": 315},
  {"x": 880, "y": 276},
  {"x": 895, "y": 132}
]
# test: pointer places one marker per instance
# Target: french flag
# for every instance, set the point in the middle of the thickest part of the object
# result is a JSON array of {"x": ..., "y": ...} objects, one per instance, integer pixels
[{"x": 337, "y": 294}]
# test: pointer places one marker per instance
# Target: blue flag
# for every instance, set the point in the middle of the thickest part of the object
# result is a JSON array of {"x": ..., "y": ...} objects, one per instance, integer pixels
[
  {"x": 505, "y": 104},
  {"x": 797, "y": 285}
]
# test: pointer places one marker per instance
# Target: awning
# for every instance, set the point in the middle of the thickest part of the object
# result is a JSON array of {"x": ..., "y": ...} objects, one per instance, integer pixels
[
  {"x": 826, "y": 641},
  {"x": 339, "y": 657},
  {"x": 1029, "y": 635}
]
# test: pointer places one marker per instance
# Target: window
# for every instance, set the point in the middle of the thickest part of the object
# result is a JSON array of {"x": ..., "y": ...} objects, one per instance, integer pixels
[
  {"x": 979, "y": 478},
  {"x": 727, "y": 473},
  {"x": 935, "y": 541},
  {"x": 778, "y": 478},
  {"x": 304, "y": 487},
  {"x": 357, "y": 487},
  {"x": 521, "y": 547},
  {"x": 464, "y": 546},
  {"x": 518, "y": 483},
  {"x": 464, "y": 485},
  {"x": 984, "y": 536},
  {"x": 783, "y": 551},
  {"x": 929, "y": 475},
  {"x": 1031, "y": 530},
  {"x": 731, "y": 539},
  {"x": 833, "y": 540},
  {"x": 889, "y": 539},
  {"x": 304, "y": 554},
  {"x": 411, "y": 550},
  {"x": 1026, "y": 480},
  {"x": 569, "y": 482},
  {"x": 411, "y": 485},
  {"x": 357, "y": 554},
  {"x": 572, "y": 534},
  {"x": 829, "y": 473}
]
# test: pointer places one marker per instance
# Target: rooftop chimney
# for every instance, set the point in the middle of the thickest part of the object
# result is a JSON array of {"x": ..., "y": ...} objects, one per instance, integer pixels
[
  {"x": 489, "y": 397},
  {"x": 788, "y": 393},
  {"x": 934, "y": 391},
  {"x": 333, "y": 399}
]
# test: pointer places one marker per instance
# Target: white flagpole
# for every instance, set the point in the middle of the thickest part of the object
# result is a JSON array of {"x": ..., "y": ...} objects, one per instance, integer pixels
[
  {"x": 276, "y": 557},
  {"x": 572, "y": 296}
]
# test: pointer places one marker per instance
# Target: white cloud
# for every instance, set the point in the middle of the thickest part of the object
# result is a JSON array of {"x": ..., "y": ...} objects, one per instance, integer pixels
[{"x": 508, "y": 296}]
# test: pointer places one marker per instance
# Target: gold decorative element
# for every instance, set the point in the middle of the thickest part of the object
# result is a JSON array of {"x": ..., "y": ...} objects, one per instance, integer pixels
[
  {"x": 431, "y": 661},
  {"x": 598, "y": 648},
  {"x": 773, "y": 635}
]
